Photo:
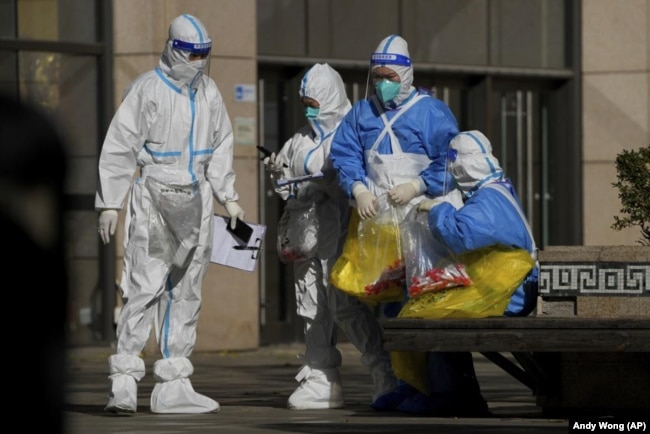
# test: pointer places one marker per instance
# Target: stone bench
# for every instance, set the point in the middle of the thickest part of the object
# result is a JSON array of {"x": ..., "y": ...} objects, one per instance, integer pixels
[{"x": 585, "y": 351}]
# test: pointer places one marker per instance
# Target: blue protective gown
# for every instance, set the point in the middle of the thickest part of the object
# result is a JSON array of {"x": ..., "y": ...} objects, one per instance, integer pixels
[
  {"x": 488, "y": 218},
  {"x": 425, "y": 129}
]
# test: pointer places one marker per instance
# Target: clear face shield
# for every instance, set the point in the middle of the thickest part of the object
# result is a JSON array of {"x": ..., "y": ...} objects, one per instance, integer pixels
[
  {"x": 383, "y": 76},
  {"x": 197, "y": 54},
  {"x": 451, "y": 171}
]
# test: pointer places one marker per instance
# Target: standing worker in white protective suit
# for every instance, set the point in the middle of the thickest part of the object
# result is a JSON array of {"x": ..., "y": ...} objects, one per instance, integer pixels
[
  {"x": 394, "y": 142},
  {"x": 322, "y": 306},
  {"x": 173, "y": 126}
]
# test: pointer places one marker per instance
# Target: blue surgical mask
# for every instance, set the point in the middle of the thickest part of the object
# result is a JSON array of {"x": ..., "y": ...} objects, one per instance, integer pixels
[
  {"x": 387, "y": 90},
  {"x": 311, "y": 112}
]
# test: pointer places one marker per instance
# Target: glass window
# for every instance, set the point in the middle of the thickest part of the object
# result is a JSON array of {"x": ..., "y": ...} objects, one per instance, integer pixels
[
  {"x": 281, "y": 27},
  {"x": 7, "y": 18},
  {"x": 446, "y": 32},
  {"x": 527, "y": 33},
  {"x": 357, "y": 26},
  {"x": 56, "y": 20},
  {"x": 8, "y": 72},
  {"x": 66, "y": 87}
]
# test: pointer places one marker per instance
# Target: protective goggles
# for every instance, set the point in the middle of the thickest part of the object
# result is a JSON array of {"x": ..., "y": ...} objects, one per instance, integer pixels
[
  {"x": 389, "y": 59},
  {"x": 200, "y": 48}
]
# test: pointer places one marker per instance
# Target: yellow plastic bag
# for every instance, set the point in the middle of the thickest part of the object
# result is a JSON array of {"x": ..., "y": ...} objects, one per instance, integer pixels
[
  {"x": 496, "y": 272},
  {"x": 370, "y": 266},
  {"x": 411, "y": 367}
]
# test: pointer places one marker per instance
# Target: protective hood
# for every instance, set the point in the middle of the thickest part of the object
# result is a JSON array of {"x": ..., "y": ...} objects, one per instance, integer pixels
[
  {"x": 187, "y": 35},
  {"x": 324, "y": 84},
  {"x": 472, "y": 163},
  {"x": 393, "y": 53}
]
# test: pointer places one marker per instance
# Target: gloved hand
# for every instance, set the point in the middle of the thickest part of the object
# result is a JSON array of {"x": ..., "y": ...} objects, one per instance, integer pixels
[
  {"x": 454, "y": 198},
  {"x": 107, "y": 224},
  {"x": 365, "y": 201},
  {"x": 271, "y": 164},
  {"x": 428, "y": 204},
  {"x": 235, "y": 212},
  {"x": 403, "y": 193}
]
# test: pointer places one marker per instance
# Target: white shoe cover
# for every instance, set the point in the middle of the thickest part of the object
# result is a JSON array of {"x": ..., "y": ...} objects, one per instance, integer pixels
[
  {"x": 178, "y": 396},
  {"x": 123, "y": 395},
  {"x": 319, "y": 389},
  {"x": 126, "y": 370},
  {"x": 173, "y": 392}
]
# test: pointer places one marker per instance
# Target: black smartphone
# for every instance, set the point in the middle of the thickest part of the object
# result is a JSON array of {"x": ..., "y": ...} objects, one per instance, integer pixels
[
  {"x": 242, "y": 231},
  {"x": 266, "y": 151}
]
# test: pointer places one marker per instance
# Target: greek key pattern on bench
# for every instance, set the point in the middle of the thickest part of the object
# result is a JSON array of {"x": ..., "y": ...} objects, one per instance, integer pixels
[{"x": 602, "y": 278}]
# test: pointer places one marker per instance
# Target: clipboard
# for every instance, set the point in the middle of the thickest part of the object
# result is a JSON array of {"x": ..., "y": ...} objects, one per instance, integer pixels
[
  {"x": 297, "y": 179},
  {"x": 228, "y": 250}
]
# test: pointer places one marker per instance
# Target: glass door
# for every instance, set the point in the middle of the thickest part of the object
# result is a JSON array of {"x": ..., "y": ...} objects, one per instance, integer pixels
[{"x": 519, "y": 140}]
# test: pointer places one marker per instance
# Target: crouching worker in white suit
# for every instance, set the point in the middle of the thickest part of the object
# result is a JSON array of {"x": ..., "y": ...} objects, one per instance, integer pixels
[
  {"x": 173, "y": 126},
  {"x": 319, "y": 304}
]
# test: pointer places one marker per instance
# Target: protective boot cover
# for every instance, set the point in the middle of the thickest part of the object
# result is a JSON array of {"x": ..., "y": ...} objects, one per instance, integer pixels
[
  {"x": 126, "y": 370},
  {"x": 383, "y": 378},
  {"x": 319, "y": 389},
  {"x": 173, "y": 392},
  {"x": 363, "y": 330},
  {"x": 454, "y": 389}
]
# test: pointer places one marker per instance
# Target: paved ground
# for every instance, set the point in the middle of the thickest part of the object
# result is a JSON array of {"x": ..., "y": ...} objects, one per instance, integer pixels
[{"x": 253, "y": 386}]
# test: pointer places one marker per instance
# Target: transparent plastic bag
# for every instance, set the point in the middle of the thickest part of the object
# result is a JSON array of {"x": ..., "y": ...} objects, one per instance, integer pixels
[
  {"x": 496, "y": 272},
  {"x": 298, "y": 231},
  {"x": 174, "y": 221},
  {"x": 430, "y": 265},
  {"x": 370, "y": 267},
  {"x": 380, "y": 251}
]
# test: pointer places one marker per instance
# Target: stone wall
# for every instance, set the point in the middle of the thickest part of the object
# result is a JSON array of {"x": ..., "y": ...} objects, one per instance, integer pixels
[{"x": 597, "y": 282}]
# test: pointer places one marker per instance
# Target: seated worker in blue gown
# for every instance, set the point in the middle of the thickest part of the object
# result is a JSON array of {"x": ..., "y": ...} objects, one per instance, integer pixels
[{"x": 491, "y": 214}]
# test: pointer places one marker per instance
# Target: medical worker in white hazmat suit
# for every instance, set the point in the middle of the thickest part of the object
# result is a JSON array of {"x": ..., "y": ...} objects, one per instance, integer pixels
[
  {"x": 323, "y": 96},
  {"x": 172, "y": 125}
]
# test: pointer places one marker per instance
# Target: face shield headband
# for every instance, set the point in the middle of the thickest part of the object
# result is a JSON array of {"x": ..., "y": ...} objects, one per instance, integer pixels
[
  {"x": 195, "y": 48},
  {"x": 387, "y": 60},
  {"x": 383, "y": 59}
]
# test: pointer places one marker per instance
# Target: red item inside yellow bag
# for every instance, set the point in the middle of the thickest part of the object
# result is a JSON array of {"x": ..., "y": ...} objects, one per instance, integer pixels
[
  {"x": 371, "y": 267},
  {"x": 437, "y": 279},
  {"x": 495, "y": 271},
  {"x": 430, "y": 265}
]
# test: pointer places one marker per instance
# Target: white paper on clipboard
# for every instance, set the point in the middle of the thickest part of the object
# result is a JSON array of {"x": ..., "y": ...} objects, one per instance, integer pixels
[{"x": 228, "y": 251}]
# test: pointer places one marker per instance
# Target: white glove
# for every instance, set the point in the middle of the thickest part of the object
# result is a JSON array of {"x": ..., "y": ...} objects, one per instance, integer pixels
[
  {"x": 107, "y": 224},
  {"x": 235, "y": 212},
  {"x": 454, "y": 198},
  {"x": 365, "y": 201},
  {"x": 403, "y": 193},
  {"x": 271, "y": 164},
  {"x": 428, "y": 204}
]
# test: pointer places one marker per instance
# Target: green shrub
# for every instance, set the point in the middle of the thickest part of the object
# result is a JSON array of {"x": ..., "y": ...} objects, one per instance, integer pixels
[{"x": 633, "y": 173}]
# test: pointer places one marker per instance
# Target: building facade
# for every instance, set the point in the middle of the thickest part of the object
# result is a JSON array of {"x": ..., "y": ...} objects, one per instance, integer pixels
[{"x": 559, "y": 86}]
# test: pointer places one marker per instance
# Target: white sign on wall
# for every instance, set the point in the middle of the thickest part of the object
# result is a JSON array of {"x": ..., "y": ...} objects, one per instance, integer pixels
[
  {"x": 245, "y": 93},
  {"x": 244, "y": 131}
]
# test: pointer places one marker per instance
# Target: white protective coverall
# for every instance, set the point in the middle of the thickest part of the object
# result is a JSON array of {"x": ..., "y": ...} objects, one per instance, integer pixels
[
  {"x": 172, "y": 124},
  {"x": 318, "y": 303}
]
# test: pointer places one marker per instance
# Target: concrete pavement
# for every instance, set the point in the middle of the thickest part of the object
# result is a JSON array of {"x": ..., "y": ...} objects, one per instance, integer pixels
[{"x": 253, "y": 386}]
